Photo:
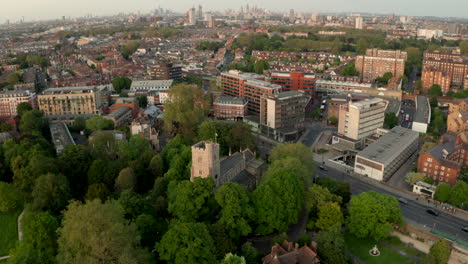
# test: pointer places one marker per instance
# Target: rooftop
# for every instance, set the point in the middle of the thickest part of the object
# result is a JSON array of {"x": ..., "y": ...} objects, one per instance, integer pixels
[
  {"x": 151, "y": 84},
  {"x": 61, "y": 136},
  {"x": 69, "y": 90},
  {"x": 423, "y": 110},
  {"x": 366, "y": 103},
  {"x": 119, "y": 112},
  {"x": 387, "y": 147},
  {"x": 230, "y": 100}
]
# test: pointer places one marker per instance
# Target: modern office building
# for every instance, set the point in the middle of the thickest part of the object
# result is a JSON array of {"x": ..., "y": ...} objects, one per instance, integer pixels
[
  {"x": 9, "y": 101},
  {"x": 378, "y": 62},
  {"x": 358, "y": 120},
  {"x": 282, "y": 115},
  {"x": 294, "y": 81},
  {"x": 381, "y": 159},
  {"x": 68, "y": 103}
]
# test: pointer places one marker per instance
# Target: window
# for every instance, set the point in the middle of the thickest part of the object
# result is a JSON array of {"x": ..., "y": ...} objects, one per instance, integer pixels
[
  {"x": 425, "y": 163},
  {"x": 425, "y": 169},
  {"x": 442, "y": 168},
  {"x": 429, "y": 159}
]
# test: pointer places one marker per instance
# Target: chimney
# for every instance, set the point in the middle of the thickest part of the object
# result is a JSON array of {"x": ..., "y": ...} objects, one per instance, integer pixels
[{"x": 313, "y": 246}]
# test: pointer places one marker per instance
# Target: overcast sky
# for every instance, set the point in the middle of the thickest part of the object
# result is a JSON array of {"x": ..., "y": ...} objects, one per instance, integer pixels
[{"x": 52, "y": 9}]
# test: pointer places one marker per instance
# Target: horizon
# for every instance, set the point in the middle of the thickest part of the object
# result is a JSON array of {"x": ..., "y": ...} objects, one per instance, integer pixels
[{"x": 56, "y": 9}]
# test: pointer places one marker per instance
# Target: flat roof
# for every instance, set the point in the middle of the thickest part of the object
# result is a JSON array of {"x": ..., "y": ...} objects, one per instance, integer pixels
[
  {"x": 151, "y": 83},
  {"x": 70, "y": 90},
  {"x": 263, "y": 84},
  {"x": 230, "y": 100},
  {"x": 423, "y": 110},
  {"x": 389, "y": 146}
]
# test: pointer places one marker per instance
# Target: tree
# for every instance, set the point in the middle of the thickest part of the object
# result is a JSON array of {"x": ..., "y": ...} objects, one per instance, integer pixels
[
  {"x": 463, "y": 175},
  {"x": 291, "y": 163},
  {"x": 25, "y": 254},
  {"x": 295, "y": 150},
  {"x": 391, "y": 120},
  {"x": 96, "y": 123},
  {"x": 329, "y": 215},
  {"x": 39, "y": 229},
  {"x": 222, "y": 241},
  {"x": 361, "y": 46},
  {"x": 233, "y": 259},
  {"x": 435, "y": 90},
  {"x": 442, "y": 192},
  {"x": 105, "y": 236},
  {"x": 186, "y": 108},
  {"x": 10, "y": 197},
  {"x": 156, "y": 166},
  {"x": 284, "y": 191},
  {"x": 51, "y": 192},
  {"x": 25, "y": 172},
  {"x": 188, "y": 200},
  {"x": 125, "y": 181},
  {"x": 249, "y": 252},
  {"x": 97, "y": 191},
  {"x": 79, "y": 124},
  {"x": 33, "y": 121},
  {"x": 240, "y": 137},
  {"x": 236, "y": 210},
  {"x": 142, "y": 101},
  {"x": 121, "y": 83},
  {"x": 261, "y": 66},
  {"x": 23, "y": 108},
  {"x": 333, "y": 120},
  {"x": 339, "y": 188},
  {"x": 103, "y": 171},
  {"x": 439, "y": 253},
  {"x": 134, "y": 148},
  {"x": 464, "y": 47},
  {"x": 459, "y": 194},
  {"x": 74, "y": 162},
  {"x": 372, "y": 214},
  {"x": 134, "y": 204},
  {"x": 331, "y": 246},
  {"x": 414, "y": 177},
  {"x": 187, "y": 243},
  {"x": 434, "y": 102},
  {"x": 147, "y": 228},
  {"x": 349, "y": 70}
]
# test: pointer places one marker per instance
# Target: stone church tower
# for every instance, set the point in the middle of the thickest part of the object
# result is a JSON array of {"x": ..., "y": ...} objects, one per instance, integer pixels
[{"x": 205, "y": 160}]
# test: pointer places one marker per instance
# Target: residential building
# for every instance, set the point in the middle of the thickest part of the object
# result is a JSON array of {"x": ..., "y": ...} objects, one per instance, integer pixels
[
  {"x": 422, "y": 117},
  {"x": 240, "y": 167},
  {"x": 130, "y": 102},
  {"x": 165, "y": 71},
  {"x": 444, "y": 161},
  {"x": 457, "y": 120},
  {"x": 61, "y": 136},
  {"x": 448, "y": 69},
  {"x": 144, "y": 126},
  {"x": 359, "y": 22},
  {"x": 358, "y": 120},
  {"x": 9, "y": 101},
  {"x": 150, "y": 85},
  {"x": 381, "y": 159},
  {"x": 121, "y": 116},
  {"x": 429, "y": 33},
  {"x": 289, "y": 253},
  {"x": 294, "y": 81},
  {"x": 282, "y": 115},
  {"x": 233, "y": 82},
  {"x": 378, "y": 62},
  {"x": 228, "y": 107},
  {"x": 69, "y": 103}
]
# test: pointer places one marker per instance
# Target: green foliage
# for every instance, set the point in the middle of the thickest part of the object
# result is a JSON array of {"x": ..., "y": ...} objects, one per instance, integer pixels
[
  {"x": 233, "y": 259},
  {"x": 236, "y": 210},
  {"x": 331, "y": 246},
  {"x": 391, "y": 120},
  {"x": 434, "y": 102},
  {"x": 261, "y": 66},
  {"x": 40, "y": 231},
  {"x": 333, "y": 121},
  {"x": 437, "y": 125},
  {"x": 339, "y": 188},
  {"x": 103, "y": 171},
  {"x": 10, "y": 197},
  {"x": 129, "y": 48},
  {"x": 284, "y": 191},
  {"x": 25, "y": 172},
  {"x": 23, "y": 108},
  {"x": 97, "y": 191},
  {"x": 79, "y": 124},
  {"x": 372, "y": 214},
  {"x": 147, "y": 228},
  {"x": 304, "y": 240},
  {"x": 176, "y": 158},
  {"x": 121, "y": 83},
  {"x": 250, "y": 253},
  {"x": 459, "y": 195},
  {"x": 291, "y": 163},
  {"x": 156, "y": 166},
  {"x": 361, "y": 46},
  {"x": 74, "y": 162},
  {"x": 26, "y": 254},
  {"x": 188, "y": 200},
  {"x": 186, "y": 109},
  {"x": 33, "y": 122},
  {"x": 134, "y": 148},
  {"x": 187, "y": 243},
  {"x": 134, "y": 204},
  {"x": 414, "y": 177},
  {"x": 194, "y": 79},
  {"x": 105, "y": 237},
  {"x": 435, "y": 90},
  {"x": 329, "y": 215},
  {"x": 439, "y": 253},
  {"x": 125, "y": 181},
  {"x": 51, "y": 193},
  {"x": 461, "y": 94},
  {"x": 464, "y": 46},
  {"x": 142, "y": 101},
  {"x": 96, "y": 123},
  {"x": 223, "y": 243},
  {"x": 210, "y": 45},
  {"x": 294, "y": 150},
  {"x": 382, "y": 81},
  {"x": 349, "y": 70}
]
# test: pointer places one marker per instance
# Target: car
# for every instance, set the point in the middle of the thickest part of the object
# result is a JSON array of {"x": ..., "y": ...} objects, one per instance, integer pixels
[
  {"x": 403, "y": 200},
  {"x": 323, "y": 168},
  {"x": 432, "y": 212},
  {"x": 465, "y": 228}
]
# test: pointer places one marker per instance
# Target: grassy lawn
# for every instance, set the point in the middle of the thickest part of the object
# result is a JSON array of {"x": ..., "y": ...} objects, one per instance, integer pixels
[
  {"x": 9, "y": 231},
  {"x": 395, "y": 241},
  {"x": 360, "y": 248}
]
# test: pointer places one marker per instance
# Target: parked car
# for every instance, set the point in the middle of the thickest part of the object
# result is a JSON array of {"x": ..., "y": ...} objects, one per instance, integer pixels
[
  {"x": 432, "y": 212},
  {"x": 323, "y": 168},
  {"x": 465, "y": 228},
  {"x": 403, "y": 200}
]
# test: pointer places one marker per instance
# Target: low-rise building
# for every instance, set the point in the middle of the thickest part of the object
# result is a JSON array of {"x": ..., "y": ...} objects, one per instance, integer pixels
[
  {"x": 228, "y": 107},
  {"x": 9, "y": 101},
  {"x": 151, "y": 85},
  {"x": 144, "y": 126},
  {"x": 424, "y": 188},
  {"x": 381, "y": 159},
  {"x": 422, "y": 117},
  {"x": 289, "y": 253},
  {"x": 121, "y": 116},
  {"x": 351, "y": 87},
  {"x": 130, "y": 102},
  {"x": 61, "y": 136}
]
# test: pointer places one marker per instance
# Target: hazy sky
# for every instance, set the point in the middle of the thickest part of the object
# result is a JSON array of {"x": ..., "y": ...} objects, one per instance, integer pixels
[{"x": 52, "y": 9}]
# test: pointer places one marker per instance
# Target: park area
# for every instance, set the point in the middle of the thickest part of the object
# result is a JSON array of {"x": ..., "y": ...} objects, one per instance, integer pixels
[
  {"x": 9, "y": 231},
  {"x": 392, "y": 250}
]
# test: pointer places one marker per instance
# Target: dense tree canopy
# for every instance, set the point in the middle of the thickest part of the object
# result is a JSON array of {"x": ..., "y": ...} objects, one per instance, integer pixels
[
  {"x": 96, "y": 123},
  {"x": 121, "y": 83},
  {"x": 51, "y": 192},
  {"x": 435, "y": 90},
  {"x": 10, "y": 197},
  {"x": 439, "y": 253},
  {"x": 391, "y": 120}
]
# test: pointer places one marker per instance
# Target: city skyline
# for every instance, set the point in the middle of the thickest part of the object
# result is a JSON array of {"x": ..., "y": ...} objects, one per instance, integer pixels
[{"x": 55, "y": 9}]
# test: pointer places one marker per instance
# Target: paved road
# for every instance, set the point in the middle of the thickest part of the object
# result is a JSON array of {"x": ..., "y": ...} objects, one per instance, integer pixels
[
  {"x": 409, "y": 108},
  {"x": 409, "y": 87},
  {"x": 414, "y": 212}
]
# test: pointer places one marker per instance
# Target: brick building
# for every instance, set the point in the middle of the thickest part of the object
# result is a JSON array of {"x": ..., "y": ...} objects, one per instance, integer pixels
[
  {"x": 165, "y": 71},
  {"x": 444, "y": 161},
  {"x": 378, "y": 62},
  {"x": 130, "y": 102},
  {"x": 450, "y": 67},
  {"x": 228, "y": 107},
  {"x": 457, "y": 120},
  {"x": 68, "y": 103},
  {"x": 289, "y": 253},
  {"x": 9, "y": 101},
  {"x": 294, "y": 81}
]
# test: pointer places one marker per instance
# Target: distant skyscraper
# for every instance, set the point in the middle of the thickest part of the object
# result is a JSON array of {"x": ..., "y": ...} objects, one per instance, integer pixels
[
  {"x": 200, "y": 13},
  {"x": 291, "y": 15},
  {"x": 191, "y": 16},
  {"x": 359, "y": 22},
  {"x": 315, "y": 17}
]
